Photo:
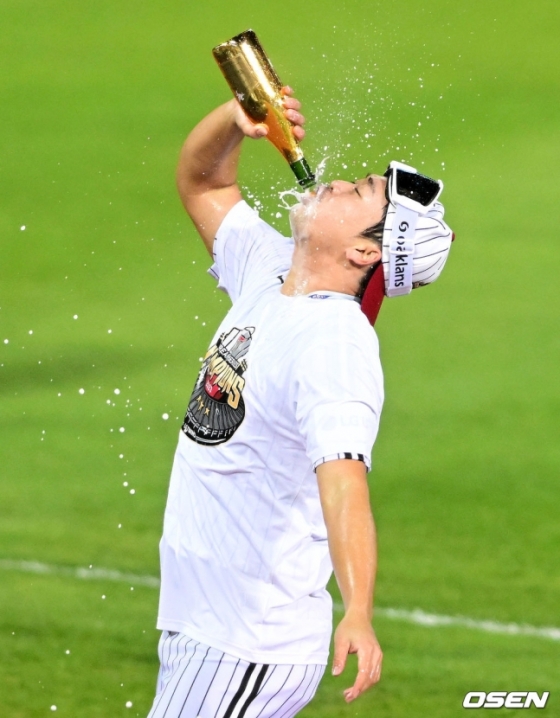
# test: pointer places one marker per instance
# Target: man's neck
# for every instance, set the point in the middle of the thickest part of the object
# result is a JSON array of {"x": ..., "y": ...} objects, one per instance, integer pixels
[{"x": 305, "y": 279}]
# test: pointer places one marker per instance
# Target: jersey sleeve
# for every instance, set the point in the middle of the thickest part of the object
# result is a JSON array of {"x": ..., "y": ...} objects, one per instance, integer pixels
[
  {"x": 246, "y": 250},
  {"x": 340, "y": 395}
]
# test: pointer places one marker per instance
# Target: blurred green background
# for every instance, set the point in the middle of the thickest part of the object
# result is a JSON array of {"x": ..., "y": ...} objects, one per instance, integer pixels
[{"x": 105, "y": 309}]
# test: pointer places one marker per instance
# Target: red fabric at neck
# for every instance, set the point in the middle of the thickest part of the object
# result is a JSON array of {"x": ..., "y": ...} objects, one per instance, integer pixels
[{"x": 373, "y": 296}]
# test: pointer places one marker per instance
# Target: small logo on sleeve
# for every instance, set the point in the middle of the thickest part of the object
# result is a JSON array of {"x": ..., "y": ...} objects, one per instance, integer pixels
[{"x": 216, "y": 407}]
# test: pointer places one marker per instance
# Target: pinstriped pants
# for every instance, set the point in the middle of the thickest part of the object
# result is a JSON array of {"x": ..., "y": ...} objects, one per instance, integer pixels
[{"x": 196, "y": 681}]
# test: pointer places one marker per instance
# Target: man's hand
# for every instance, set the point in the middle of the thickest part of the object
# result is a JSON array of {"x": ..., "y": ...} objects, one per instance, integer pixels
[
  {"x": 354, "y": 634},
  {"x": 291, "y": 112},
  {"x": 207, "y": 172}
]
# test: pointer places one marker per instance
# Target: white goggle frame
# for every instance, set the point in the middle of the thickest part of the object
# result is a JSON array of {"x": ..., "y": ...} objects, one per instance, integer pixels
[{"x": 403, "y": 231}]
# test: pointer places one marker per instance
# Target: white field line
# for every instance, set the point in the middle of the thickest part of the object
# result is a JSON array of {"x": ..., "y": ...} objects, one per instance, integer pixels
[
  {"x": 421, "y": 618},
  {"x": 105, "y": 574},
  {"x": 418, "y": 617}
]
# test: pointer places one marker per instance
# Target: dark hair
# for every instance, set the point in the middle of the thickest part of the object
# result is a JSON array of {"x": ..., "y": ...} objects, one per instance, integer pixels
[{"x": 375, "y": 233}]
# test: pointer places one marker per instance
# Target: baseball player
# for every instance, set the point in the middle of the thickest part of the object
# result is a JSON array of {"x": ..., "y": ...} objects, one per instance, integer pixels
[{"x": 268, "y": 490}]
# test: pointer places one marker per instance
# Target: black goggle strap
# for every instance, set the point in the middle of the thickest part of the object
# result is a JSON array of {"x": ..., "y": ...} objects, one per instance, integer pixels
[
  {"x": 401, "y": 251},
  {"x": 388, "y": 172}
]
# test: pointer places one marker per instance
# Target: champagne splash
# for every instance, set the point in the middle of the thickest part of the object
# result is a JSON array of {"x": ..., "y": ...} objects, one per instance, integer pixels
[
  {"x": 320, "y": 171},
  {"x": 300, "y": 196},
  {"x": 289, "y": 193}
]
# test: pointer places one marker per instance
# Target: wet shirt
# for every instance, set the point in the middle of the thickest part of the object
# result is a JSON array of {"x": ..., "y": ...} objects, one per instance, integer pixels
[{"x": 287, "y": 383}]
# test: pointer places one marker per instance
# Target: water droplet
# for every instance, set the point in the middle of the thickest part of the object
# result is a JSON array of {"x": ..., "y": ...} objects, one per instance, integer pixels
[
  {"x": 165, "y": 416},
  {"x": 117, "y": 391},
  {"x": 22, "y": 228},
  {"x": 122, "y": 429},
  {"x": 81, "y": 391},
  {"x": 129, "y": 704}
]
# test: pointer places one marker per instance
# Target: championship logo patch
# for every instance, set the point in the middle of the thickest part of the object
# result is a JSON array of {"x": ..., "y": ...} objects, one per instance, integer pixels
[{"x": 216, "y": 408}]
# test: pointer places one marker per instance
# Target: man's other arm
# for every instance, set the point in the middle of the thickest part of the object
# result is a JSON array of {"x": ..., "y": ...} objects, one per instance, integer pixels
[
  {"x": 352, "y": 543},
  {"x": 207, "y": 171}
]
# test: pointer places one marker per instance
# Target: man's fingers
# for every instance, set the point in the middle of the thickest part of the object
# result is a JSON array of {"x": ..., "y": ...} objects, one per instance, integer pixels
[
  {"x": 369, "y": 673},
  {"x": 298, "y": 132},
  {"x": 291, "y": 112},
  {"x": 361, "y": 684},
  {"x": 294, "y": 116},
  {"x": 251, "y": 130},
  {"x": 298, "y": 120},
  {"x": 290, "y": 103},
  {"x": 340, "y": 653},
  {"x": 260, "y": 131},
  {"x": 255, "y": 132}
]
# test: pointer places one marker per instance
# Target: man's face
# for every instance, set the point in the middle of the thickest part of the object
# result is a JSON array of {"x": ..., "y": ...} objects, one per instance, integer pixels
[{"x": 333, "y": 216}]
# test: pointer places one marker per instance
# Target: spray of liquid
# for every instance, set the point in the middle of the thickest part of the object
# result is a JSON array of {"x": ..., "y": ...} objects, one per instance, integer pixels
[
  {"x": 284, "y": 204},
  {"x": 301, "y": 208},
  {"x": 306, "y": 196}
]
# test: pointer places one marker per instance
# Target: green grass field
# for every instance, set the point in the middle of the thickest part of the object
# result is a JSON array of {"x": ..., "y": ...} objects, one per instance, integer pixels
[{"x": 103, "y": 289}]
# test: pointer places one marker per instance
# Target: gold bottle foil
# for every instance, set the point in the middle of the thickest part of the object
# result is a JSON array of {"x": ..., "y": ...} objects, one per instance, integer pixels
[{"x": 258, "y": 89}]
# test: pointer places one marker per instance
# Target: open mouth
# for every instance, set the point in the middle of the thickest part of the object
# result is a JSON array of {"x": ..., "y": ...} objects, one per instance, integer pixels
[{"x": 314, "y": 196}]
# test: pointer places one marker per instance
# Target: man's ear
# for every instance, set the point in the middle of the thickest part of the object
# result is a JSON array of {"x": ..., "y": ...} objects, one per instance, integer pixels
[{"x": 363, "y": 253}]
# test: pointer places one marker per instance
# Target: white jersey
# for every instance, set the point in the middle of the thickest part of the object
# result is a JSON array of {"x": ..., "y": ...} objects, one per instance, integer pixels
[{"x": 288, "y": 382}]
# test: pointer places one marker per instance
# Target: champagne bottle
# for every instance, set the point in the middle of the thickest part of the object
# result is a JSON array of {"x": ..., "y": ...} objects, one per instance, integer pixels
[{"x": 257, "y": 87}]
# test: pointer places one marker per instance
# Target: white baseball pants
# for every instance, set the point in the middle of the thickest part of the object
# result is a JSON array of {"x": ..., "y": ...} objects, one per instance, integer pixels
[{"x": 196, "y": 681}]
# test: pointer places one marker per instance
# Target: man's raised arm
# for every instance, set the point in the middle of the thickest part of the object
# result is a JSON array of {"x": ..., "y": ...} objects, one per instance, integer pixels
[{"x": 207, "y": 171}]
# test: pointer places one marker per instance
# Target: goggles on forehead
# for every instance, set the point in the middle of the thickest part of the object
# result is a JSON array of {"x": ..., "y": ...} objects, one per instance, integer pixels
[
  {"x": 412, "y": 195},
  {"x": 405, "y": 186}
]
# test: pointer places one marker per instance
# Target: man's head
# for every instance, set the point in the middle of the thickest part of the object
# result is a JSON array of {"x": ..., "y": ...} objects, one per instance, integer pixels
[
  {"x": 330, "y": 225},
  {"x": 387, "y": 232}
]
